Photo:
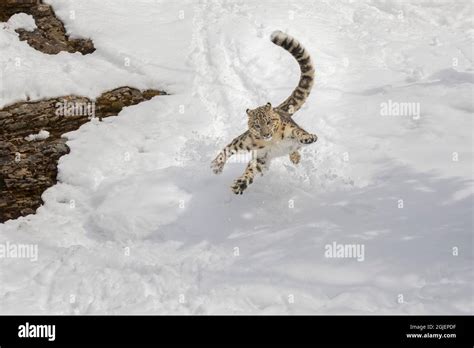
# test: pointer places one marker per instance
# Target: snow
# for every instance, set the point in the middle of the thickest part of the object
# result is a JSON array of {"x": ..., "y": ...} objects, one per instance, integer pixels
[
  {"x": 42, "y": 134},
  {"x": 139, "y": 224},
  {"x": 21, "y": 21}
]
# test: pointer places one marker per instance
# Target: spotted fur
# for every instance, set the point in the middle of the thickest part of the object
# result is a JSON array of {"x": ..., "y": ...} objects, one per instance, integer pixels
[
  {"x": 294, "y": 102},
  {"x": 271, "y": 131}
]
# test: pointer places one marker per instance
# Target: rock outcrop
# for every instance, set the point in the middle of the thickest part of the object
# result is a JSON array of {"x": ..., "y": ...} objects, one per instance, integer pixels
[
  {"x": 28, "y": 167},
  {"x": 50, "y": 36},
  {"x": 30, "y": 132}
]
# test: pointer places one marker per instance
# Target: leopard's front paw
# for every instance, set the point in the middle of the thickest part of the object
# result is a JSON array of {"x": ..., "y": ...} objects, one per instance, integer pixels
[
  {"x": 309, "y": 139},
  {"x": 239, "y": 186},
  {"x": 218, "y": 164}
]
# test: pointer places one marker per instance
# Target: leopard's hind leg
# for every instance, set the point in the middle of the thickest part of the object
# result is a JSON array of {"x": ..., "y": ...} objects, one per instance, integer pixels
[
  {"x": 295, "y": 156},
  {"x": 256, "y": 165}
]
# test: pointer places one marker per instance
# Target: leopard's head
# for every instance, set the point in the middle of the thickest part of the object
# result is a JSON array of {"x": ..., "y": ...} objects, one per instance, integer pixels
[{"x": 263, "y": 122}]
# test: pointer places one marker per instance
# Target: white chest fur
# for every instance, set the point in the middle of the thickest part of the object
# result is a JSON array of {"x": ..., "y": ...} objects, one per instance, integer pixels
[{"x": 278, "y": 148}]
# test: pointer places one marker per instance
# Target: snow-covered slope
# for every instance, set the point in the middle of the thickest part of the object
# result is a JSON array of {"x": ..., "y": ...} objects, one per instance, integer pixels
[{"x": 139, "y": 224}]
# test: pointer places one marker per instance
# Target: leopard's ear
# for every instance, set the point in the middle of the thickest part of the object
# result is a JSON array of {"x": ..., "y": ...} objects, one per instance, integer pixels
[
  {"x": 247, "y": 111},
  {"x": 268, "y": 106}
]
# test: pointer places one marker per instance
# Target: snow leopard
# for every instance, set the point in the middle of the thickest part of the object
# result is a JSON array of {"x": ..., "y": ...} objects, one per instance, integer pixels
[{"x": 272, "y": 132}]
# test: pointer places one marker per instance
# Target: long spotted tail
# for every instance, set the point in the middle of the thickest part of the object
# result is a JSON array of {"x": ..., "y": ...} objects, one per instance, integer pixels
[{"x": 294, "y": 102}]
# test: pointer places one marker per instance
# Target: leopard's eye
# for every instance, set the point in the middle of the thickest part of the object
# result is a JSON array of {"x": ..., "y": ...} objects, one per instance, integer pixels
[{"x": 256, "y": 126}]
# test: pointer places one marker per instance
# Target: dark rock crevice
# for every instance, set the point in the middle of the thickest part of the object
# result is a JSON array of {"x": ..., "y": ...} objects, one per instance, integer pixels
[
  {"x": 50, "y": 36},
  {"x": 28, "y": 168}
]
